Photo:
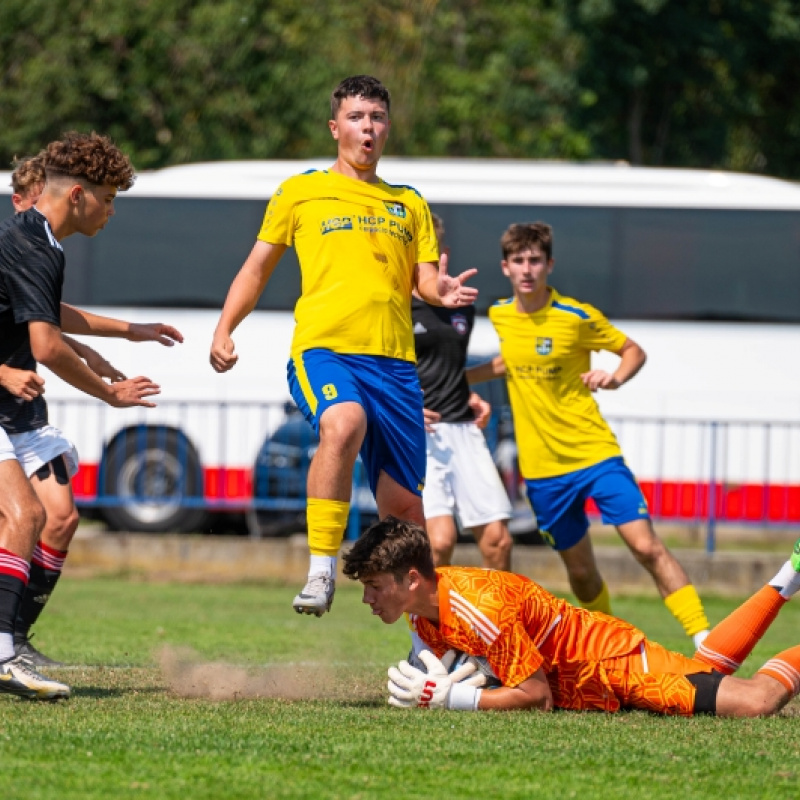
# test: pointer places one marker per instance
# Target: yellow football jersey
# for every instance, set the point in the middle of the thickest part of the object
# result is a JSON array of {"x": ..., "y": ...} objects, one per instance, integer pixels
[
  {"x": 558, "y": 425},
  {"x": 358, "y": 244}
]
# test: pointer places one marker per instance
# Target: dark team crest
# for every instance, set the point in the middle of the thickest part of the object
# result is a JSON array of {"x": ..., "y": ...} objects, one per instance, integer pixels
[
  {"x": 396, "y": 209},
  {"x": 544, "y": 345},
  {"x": 459, "y": 322}
]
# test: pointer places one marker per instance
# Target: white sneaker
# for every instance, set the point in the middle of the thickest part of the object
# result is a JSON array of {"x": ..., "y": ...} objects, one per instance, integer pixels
[
  {"x": 317, "y": 595},
  {"x": 17, "y": 676}
]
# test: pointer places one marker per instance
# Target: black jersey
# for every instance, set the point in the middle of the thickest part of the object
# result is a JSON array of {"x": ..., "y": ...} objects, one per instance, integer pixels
[
  {"x": 441, "y": 336},
  {"x": 31, "y": 277}
]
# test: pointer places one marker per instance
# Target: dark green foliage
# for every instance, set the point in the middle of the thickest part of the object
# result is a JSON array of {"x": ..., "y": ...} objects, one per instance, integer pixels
[{"x": 705, "y": 83}]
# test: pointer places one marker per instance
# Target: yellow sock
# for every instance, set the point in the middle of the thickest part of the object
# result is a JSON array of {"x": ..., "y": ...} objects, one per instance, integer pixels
[
  {"x": 601, "y": 603},
  {"x": 327, "y": 522},
  {"x": 686, "y": 607}
]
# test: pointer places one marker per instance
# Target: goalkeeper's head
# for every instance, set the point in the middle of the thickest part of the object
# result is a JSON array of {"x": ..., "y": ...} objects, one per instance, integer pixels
[
  {"x": 392, "y": 546},
  {"x": 393, "y": 560}
]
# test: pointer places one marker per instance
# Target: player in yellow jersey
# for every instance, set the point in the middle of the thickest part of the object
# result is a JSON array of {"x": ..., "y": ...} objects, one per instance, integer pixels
[
  {"x": 363, "y": 244},
  {"x": 567, "y": 452},
  {"x": 550, "y": 654}
]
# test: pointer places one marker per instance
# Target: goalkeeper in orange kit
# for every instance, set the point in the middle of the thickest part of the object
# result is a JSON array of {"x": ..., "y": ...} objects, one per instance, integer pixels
[{"x": 550, "y": 654}]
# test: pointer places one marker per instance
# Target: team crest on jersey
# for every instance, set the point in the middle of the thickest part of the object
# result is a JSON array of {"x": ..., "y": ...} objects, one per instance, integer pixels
[
  {"x": 544, "y": 345},
  {"x": 459, "y": 322},
  {"x": 396, "y": 209}
]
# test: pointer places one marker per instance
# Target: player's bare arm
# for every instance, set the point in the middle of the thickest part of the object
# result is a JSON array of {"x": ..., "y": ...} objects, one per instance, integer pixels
[
  {"x": 96, "y": 363},
  {"x": 632, "y": 359},
  {"x": 49, "y": 348},
  {"x": 438, "y": 288},
  {"x": 532, "y": 694},
  {"x": 242, "y": 297},
  {"x": 23, "y": 383},
  {"x": 496, "y": 368},
  {"x": 77, "y": 321}
]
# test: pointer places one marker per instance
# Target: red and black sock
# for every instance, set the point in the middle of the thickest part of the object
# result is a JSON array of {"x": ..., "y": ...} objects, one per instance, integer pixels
[
  {"x": 13, "y": 578},
  {"x": 46, "y": 566}
]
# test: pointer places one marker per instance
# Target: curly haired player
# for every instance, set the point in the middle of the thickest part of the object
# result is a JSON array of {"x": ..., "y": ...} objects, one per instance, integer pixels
[
  {"x": 83, "y": 173},
  {"x": 28, "y": 182}
]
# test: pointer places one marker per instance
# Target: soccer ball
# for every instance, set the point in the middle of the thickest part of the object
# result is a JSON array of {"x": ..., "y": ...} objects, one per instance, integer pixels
[{"x": 492, "y": 681}]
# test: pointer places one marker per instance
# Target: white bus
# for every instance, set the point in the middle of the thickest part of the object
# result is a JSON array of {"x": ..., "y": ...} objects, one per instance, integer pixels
[{"x": 701, "y": 268}]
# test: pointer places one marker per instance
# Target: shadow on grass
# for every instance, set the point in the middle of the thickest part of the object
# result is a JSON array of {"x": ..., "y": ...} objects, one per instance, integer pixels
[
  {"x": 105, "y": 692},
  {"x": 371, "y": 703}
]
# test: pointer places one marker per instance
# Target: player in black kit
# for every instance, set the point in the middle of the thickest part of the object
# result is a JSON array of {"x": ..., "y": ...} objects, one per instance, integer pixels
[
  {"x": 51, "y": 481},
  {"x": 461, "y": 477},
  {"x": 84, "y": 174}
]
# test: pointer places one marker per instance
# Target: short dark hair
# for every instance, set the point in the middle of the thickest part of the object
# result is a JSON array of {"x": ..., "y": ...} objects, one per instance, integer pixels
[
  {"x": 28, "y": 172},
  {"x": 91, "y": 157},
  {"x": 524, "y": 235},
  {"x": 391, "y": 546},
  {"x": 438, "y": 227},
  {"x": 359, "y": 86}
]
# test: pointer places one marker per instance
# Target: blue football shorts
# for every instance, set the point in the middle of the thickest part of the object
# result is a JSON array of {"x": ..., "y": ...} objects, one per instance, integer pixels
[
  {"x": 389, "y": 392},
  {"x": 560, "y": 503}
]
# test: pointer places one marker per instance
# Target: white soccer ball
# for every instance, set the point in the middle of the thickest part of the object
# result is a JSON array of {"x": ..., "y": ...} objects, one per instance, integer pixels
[{"x": 492, "y": 681}]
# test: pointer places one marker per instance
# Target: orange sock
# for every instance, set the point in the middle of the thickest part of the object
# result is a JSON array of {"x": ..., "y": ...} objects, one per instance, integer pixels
[
  {"x": 730, "y": 642},
  {"x": 785, "y": 668}
]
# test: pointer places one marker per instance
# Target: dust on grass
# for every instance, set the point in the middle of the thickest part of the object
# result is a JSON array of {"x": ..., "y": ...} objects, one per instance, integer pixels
[{"x": 189, "y": 676}]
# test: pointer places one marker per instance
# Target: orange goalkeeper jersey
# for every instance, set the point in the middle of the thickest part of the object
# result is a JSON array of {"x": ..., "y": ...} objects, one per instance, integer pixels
[{"x": 519, "y": 627}]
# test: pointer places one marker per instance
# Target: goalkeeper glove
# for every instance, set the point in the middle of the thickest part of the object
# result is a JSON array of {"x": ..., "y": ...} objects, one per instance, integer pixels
[{"x": 410, "y": 687}]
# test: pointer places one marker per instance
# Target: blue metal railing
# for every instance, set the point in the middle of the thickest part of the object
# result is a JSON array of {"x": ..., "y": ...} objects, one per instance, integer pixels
[{"x": 153, "y": 466}]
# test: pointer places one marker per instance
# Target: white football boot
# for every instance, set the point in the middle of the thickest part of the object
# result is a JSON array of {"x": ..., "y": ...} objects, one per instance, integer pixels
[
  {"x": 317, "y": 595},
  {"x": 17, "y": 676}
]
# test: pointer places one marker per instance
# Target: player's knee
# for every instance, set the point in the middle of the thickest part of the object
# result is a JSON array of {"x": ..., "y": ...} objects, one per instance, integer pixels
[
  {"x": 759, "y": 696},
  {"x": 442, "y": 554},
  {"x": 345, "y": 428},
  {"x": 505, "y": 542},
  {"x": 582, "y": 573},
  {"x": 648, "y": 550},
  {"x": 498, "y": 548},
  {"x": 26, "y": 520},
  {"x": 758, "y": 702}
]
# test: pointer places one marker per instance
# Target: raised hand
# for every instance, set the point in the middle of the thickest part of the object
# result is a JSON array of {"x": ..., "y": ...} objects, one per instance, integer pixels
[{"x": 452, "y": 292}]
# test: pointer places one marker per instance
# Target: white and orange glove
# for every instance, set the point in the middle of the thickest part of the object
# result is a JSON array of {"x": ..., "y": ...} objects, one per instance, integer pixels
[{"x": 459, "y": 690}]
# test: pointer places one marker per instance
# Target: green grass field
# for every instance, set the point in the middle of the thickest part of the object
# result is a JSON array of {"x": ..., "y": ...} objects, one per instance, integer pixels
[{"x": 128, "y": 733}]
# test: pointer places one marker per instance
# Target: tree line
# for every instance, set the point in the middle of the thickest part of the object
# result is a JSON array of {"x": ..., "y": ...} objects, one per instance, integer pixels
[{"x": 690, "y": 83}]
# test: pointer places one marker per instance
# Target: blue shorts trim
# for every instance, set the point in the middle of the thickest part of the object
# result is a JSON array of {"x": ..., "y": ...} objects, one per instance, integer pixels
[
  {"x": 389, "y": 392},
  {"x": 560, "y": 503}
]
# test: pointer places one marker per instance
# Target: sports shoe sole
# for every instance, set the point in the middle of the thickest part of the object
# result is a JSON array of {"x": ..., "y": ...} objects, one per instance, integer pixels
[
  {"x": 795, "y": 559},
  {"x": 307, "y": 608},
  {"x": 35, "y": 694}
]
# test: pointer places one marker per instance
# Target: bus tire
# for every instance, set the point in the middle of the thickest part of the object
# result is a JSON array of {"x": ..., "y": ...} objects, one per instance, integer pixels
[{"x": 148, "y": 474}]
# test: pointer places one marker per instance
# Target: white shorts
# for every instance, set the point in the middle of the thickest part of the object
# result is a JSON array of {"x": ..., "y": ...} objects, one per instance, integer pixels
[
  {"x": 461, "y": 479},
  {"x": 34, "y": 449}
]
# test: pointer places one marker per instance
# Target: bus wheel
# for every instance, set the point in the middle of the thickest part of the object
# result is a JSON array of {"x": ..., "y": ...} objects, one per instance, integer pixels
[{"x": 152, "y": 482}]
